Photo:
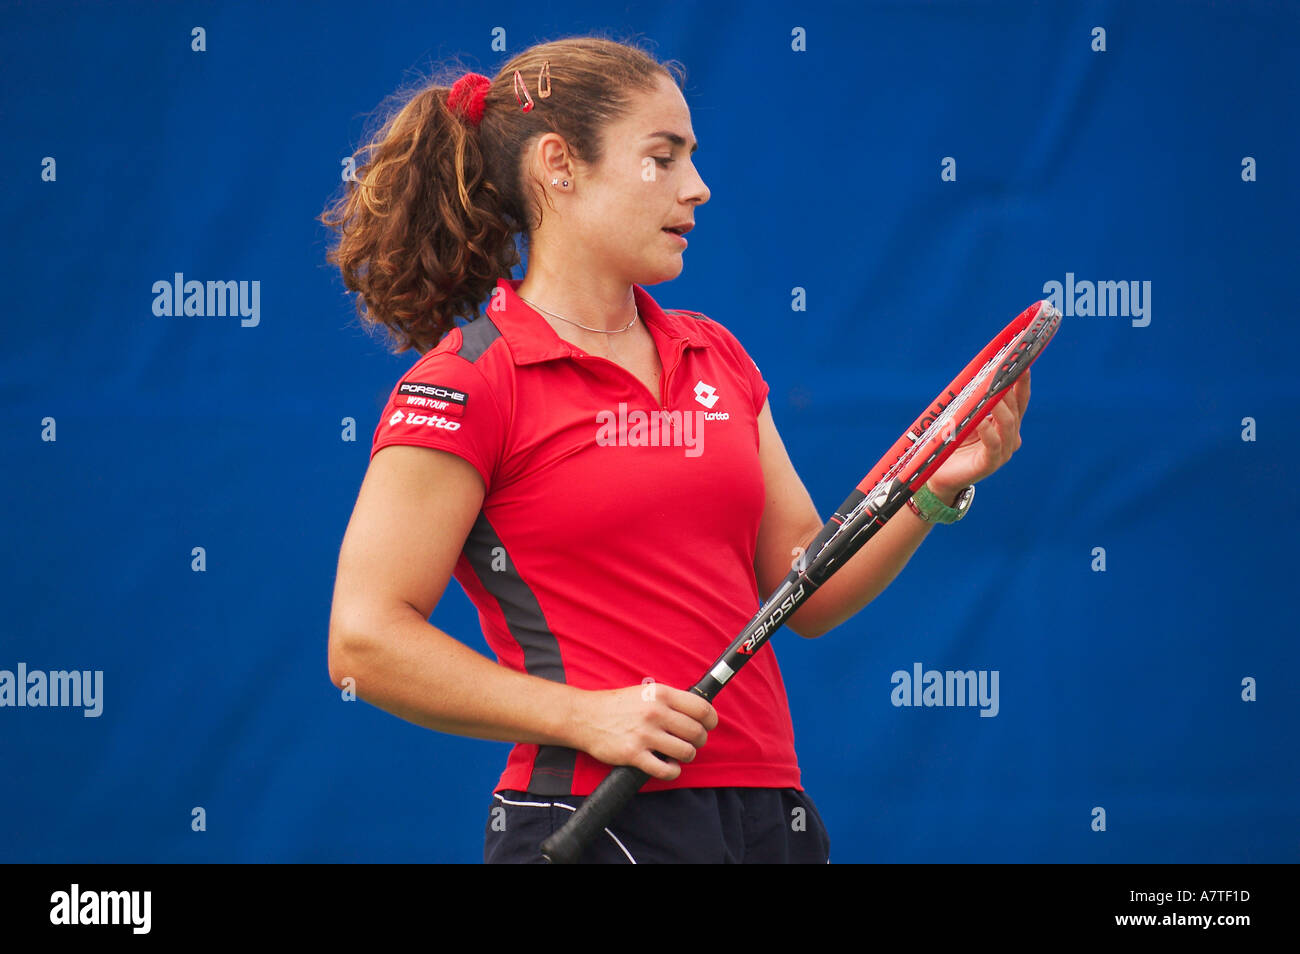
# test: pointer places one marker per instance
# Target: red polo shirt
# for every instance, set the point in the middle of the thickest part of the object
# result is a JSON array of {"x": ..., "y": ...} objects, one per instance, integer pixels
[{"x": 616, "y": 540}]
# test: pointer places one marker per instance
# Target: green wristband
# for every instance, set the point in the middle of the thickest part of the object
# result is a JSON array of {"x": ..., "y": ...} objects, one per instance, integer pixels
[{"x": 933, "y": 510}]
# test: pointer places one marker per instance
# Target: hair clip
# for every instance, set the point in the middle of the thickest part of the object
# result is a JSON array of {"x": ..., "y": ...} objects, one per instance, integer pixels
[
  {"x": 521, "y": 93},
  {"x": 544, "y": 74}
]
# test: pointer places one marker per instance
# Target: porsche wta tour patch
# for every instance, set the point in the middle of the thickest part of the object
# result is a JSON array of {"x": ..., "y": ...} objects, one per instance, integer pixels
[{"x": 432, "y": 397}]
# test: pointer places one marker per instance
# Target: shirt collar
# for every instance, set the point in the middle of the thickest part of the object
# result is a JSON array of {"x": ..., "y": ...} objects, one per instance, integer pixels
[{"x": 532, "y": 339}]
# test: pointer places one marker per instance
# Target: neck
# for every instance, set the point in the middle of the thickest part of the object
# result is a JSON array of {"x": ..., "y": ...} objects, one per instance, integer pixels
[{"x": 605, "y": 304}]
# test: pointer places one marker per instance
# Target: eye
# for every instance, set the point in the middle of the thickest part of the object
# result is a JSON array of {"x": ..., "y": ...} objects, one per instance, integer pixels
[{"x": 663, "y": 160}]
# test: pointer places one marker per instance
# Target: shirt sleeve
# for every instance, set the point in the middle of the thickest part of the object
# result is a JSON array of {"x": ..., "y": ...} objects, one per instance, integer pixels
[
  {"x": 446, "y": 403},
  {"x": 757, "y": 383}
]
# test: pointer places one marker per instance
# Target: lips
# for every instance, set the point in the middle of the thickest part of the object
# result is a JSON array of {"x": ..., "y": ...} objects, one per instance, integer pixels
[{"x": 680, "y": 228}]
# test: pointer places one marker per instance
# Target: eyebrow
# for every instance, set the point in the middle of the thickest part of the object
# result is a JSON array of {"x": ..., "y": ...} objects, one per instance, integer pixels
[{"x": 673, "y": 138}]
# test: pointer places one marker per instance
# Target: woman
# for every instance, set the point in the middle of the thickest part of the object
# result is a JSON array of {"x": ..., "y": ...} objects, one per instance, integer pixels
[{"x": 602, "y": 476}]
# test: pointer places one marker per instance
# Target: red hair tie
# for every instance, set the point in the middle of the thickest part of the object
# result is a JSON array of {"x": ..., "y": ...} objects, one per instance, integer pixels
[{"x": 468, "y": 96}]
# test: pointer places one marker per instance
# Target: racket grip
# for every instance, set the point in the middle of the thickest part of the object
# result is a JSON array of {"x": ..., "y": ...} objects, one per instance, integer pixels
[{"x": 566, "y": 845}]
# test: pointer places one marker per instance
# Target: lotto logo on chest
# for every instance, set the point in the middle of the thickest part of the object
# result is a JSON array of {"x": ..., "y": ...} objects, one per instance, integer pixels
[{"x": 707, "y": 395}]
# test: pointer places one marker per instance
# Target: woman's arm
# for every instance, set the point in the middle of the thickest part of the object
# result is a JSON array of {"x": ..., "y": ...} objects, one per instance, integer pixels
[
  {"x": 790, "y": 521},
  {"x": 412, "y": 516}
]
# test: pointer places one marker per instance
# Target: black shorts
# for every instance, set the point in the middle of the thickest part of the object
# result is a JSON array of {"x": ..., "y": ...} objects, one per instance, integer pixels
[{"x": 686, "y": 825}]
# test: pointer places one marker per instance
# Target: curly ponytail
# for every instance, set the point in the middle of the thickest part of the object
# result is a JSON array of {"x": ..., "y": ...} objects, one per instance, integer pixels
[
  {"x": 422, "y": 237},
  {"x": 428, "y": 225}
]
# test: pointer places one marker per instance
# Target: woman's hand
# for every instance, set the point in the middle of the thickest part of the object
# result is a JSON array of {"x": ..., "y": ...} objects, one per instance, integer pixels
[
  {"x": 627, "y": 726},
  {"x": 990, "y": 446}
]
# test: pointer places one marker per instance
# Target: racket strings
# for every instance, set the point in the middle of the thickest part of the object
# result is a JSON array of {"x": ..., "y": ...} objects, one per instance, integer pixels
[{"x": 942, "y": 421}]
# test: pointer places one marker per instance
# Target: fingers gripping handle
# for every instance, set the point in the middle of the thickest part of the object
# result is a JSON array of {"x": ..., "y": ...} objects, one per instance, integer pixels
[{"x": 566, "y": 846}]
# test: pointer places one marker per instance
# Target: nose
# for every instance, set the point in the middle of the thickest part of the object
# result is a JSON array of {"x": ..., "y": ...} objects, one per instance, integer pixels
[{"x": 694, "y": 189}]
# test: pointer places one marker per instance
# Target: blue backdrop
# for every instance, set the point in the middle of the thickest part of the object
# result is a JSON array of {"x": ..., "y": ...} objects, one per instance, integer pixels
[{"x": 922, "y": 172}]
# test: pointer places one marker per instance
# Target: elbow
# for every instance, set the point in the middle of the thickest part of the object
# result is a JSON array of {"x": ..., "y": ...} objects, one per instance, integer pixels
[
  {"x": 806, "y": 626},
  {"x": 345, "y": 647},
  {"x": 360, "y": 641}
]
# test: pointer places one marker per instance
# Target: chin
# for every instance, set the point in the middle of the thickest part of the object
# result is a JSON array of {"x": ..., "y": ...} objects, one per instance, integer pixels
[{"x": 661, "y": 272}]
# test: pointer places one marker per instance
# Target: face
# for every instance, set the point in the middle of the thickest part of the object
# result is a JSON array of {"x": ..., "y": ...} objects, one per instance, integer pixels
[{"x": 614, "y": 215}]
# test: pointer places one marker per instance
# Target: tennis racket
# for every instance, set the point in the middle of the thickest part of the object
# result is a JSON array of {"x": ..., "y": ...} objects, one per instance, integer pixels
[{"x": 915, "y": 456}]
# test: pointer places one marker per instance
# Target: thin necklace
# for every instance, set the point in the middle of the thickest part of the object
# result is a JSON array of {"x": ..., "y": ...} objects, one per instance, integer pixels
[{"x": 602, "y": 331}]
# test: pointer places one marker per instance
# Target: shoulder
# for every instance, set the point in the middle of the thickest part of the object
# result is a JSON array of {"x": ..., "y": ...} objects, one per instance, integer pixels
[
  {"x": 477, "y": 343},
  {"x": 726, "y": 354},
  {"x": 470, "y": 361},
  {"x": 716, "y": 334},
  {"x": 698, "y": 324},
  {"x": 475, "y": 351}
]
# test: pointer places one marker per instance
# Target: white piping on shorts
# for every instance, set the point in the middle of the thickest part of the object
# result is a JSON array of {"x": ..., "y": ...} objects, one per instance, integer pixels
[{"x": 506, "y": 801}]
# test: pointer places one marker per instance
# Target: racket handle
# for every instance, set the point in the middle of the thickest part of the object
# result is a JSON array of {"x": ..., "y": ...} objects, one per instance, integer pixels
[{"x": 566, "y": 845}]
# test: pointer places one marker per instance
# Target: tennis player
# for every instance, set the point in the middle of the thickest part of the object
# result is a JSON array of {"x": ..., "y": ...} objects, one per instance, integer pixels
[{"x": 600, "y": 474}]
